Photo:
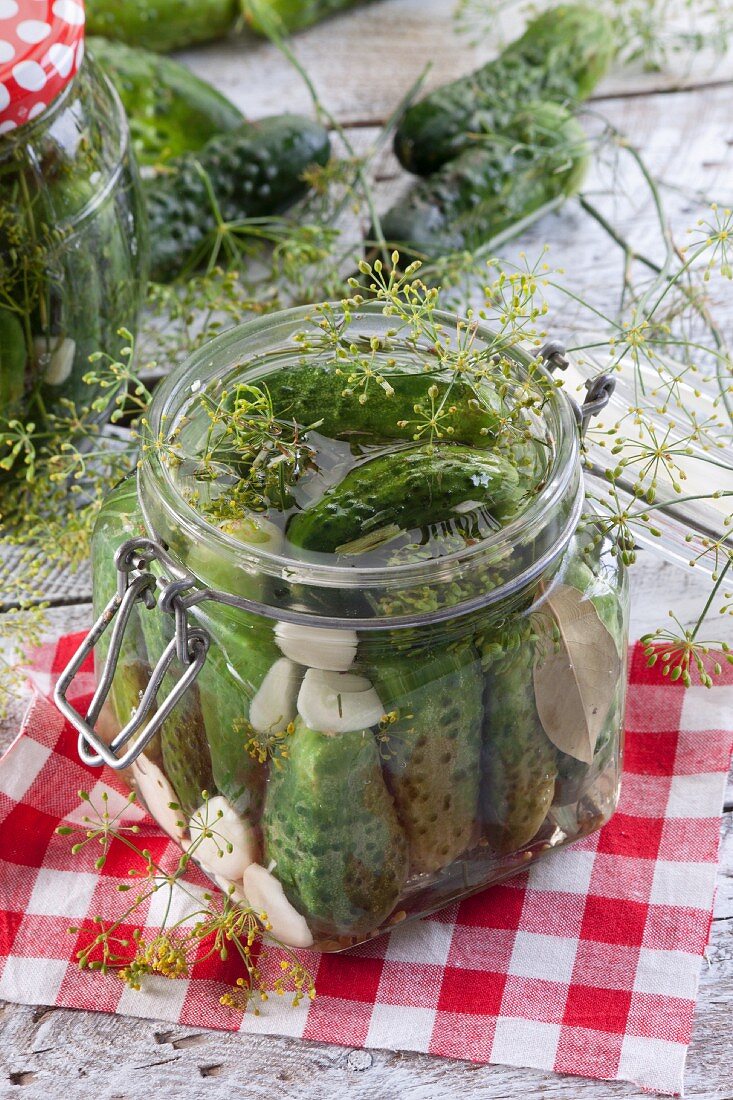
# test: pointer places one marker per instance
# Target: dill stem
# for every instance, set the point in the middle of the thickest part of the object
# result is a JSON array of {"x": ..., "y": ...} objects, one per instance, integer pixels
[{"x": 708, "y": 603}]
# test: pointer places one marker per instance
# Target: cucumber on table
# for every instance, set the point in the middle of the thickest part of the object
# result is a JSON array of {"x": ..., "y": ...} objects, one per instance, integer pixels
[
  {"x": 433, "y": 749},
  {"x": 253, "y": 171},
  {"x": 161, "y": 25},
  {"x": 331, "y": 830},
  {"x": 291, "y": 15},
  {"x": 309, "y": 392},
  {"x": 410, "y": 488},
  {"x": 561, "y": 56},
  {"x": 169, "y": 109},
  {"x": 493, "y": 186}
]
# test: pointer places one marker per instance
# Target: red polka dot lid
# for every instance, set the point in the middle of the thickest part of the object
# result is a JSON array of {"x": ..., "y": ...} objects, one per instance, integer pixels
[{"x": 41, "y": 48}]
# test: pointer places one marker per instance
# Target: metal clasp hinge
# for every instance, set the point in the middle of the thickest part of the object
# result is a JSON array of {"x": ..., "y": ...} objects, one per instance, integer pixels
[
  {"x": 599, "y": 389},
  {"x": 190, "y": 645}
]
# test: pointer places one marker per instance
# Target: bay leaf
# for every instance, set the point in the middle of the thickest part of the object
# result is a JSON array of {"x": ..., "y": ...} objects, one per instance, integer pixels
[{"x": 576, "y": 674}]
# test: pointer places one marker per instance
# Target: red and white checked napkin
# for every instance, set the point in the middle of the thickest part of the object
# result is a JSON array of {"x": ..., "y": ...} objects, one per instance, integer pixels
[{"x": 587, "y": 964}]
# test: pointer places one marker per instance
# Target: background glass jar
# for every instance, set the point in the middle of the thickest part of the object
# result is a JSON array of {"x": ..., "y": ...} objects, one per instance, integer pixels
[
  {"x": 72, "y": 246},
  {"x": 374, "y": 742}
]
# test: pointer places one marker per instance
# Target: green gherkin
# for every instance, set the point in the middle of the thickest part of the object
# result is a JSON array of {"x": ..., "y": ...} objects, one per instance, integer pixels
[
  {"x": 12, "y": 361},
  {"x": 170, "y": 111},
  {"x": 235, "y": 667},
  {"x": 184, "y": 748},
  {"x": 518, "y": 761},
  {"x": 432, "y": 761},
  {"x": 119, "y": 520},
  {"x": 292, "y": 15},
  {"x": 560, "y": 57},
  {"x": 493, "y": 186},
  {"x": 161, "y": 24},
  {"x": 330, "y": 826},
  {"x": 309, "y": 392},
  {"x": 253, "y": 171},
  {"x": 410, "y": 489}
]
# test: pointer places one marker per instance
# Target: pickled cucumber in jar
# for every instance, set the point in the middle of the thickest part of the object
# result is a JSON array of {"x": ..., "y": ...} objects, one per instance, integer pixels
[{"x": 361, "y": 519}]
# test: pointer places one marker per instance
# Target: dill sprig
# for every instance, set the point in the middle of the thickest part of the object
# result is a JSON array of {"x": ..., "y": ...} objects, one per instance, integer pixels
[{"x": 211, "y": 926}]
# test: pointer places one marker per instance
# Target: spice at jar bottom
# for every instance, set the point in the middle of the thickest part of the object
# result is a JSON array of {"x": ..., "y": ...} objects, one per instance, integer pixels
[{"x": 414, "y": 682}]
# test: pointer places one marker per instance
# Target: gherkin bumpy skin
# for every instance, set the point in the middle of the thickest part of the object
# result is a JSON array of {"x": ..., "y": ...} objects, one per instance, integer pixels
[
  {"x": 331, "y": 830},
  {"x": 412, "y": 488},
  {"x": 308, "y": 392},
  {"x": 432, "y": 755},
  {"x": 294, "y": 15},
  {"x": 120, "y": 519},
  {"x": 170, "y": 111},
  {"x": 252, "y": 171},
  {"x": 518, "y": 760},
  {"x": 493, "y": 187},
  {"x": 185, "y": 752},
  {"x": 236, "y": 664},
  {"x": 560, "y": 57},
  {"x": 12, "y": 361},
  {"x": 161, "y": 24}
]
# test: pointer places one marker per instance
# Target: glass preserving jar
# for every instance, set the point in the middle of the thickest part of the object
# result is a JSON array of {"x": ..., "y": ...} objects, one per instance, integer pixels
[
  {"x": 352, "y": 731},
  {"x": 72, "y": 249}
]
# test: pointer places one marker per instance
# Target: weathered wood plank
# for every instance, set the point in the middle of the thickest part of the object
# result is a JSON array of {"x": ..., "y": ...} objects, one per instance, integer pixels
[{"x": 363, "y": 61}]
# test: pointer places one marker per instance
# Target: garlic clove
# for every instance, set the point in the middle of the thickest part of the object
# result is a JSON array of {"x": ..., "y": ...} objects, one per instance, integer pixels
[
  {"x": 328, "y": 706},
  {"x": 317, "y": 647},
  {"x": 266, "y": 895},
  {"x": 219, "y": 818},
  {"x": 273, "y": 707},
  {"x": 56, "y": 357},
  {"x": 350, "y": 683},
  {"x": 157, "y": 794}
]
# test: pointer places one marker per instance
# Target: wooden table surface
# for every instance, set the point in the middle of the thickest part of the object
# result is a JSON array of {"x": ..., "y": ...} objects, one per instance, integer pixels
[{"x": 362, "y": 63}]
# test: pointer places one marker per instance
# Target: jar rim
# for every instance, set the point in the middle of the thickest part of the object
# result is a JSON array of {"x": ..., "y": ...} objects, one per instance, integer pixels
[
  {"x": 24, "y": 135},
  {"x": 218, "y": 356}
]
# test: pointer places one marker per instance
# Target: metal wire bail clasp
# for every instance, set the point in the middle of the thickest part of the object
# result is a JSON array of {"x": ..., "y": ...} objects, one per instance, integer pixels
[
  {"x": 135, "y": 583},
  {"x": 599, "y": 389}
]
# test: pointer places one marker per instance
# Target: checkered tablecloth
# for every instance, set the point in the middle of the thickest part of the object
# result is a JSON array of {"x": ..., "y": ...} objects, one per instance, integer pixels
[{"x": 587, "y": 964}]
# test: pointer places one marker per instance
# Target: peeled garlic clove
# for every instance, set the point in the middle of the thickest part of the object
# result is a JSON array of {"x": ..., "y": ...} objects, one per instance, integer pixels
[
  {"x": 266, "y": 895},
  {"x": 56, "y": 357},
  {"x": 328, "y": 706},
  {"x": 220, "y": 819},
  {"x": 317, "y": 647},
  {"x": 349, "y": 682},
  {"x": 273, "y": 707},
  {"x": 157, "y": 793}
]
